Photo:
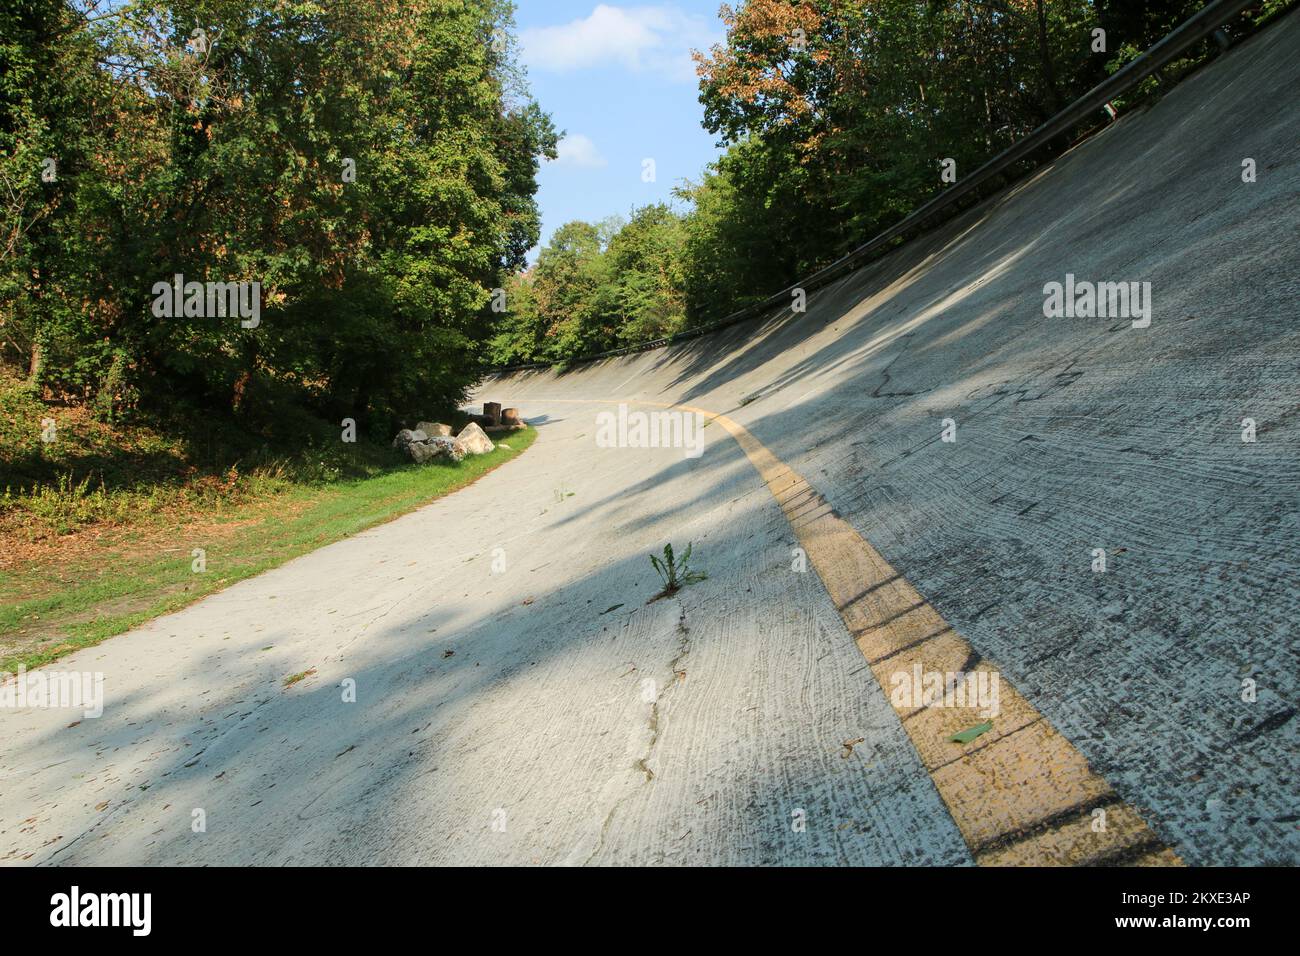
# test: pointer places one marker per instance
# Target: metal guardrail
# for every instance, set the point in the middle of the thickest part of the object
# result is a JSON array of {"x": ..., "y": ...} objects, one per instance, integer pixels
[{"x": 1192, "y": 31}]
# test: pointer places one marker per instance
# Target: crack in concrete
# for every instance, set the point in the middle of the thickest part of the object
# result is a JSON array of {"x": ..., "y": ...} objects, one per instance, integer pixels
[{"x": 641, "y": 763}]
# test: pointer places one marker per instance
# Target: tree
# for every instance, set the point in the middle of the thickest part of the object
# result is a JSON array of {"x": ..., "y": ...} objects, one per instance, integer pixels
[
  {"x": 849, "y": 107},
  {"x": 371, "y": 166}
]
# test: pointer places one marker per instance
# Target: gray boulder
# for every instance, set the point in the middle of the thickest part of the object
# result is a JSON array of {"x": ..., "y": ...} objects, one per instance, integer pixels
[
  {"x": 438, "y": 448},
  {"x": 420, "y": 452},
  {"x": 434, "y": 429},
  {"x": 422, "y": 448},
  {"x": 446, "y": 447}
]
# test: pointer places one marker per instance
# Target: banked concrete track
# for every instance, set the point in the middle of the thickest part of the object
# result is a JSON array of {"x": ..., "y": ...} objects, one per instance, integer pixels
[
  {"x": 1073, "y": 434},
  {"x": 550, "y": 715}
]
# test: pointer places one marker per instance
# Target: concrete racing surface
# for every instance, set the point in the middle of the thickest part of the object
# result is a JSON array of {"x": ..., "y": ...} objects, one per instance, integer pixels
[{"x": 553, "y": 714}]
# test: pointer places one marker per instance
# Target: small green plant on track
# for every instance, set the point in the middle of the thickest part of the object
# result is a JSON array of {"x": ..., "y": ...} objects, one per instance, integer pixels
[{"x": 676, "y": 574}]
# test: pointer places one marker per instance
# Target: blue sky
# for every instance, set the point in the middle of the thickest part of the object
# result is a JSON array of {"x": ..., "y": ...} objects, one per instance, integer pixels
[{"x": 618, "y": 80}]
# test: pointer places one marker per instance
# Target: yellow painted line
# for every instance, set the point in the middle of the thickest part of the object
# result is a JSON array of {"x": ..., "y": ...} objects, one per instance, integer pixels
[{"x": 1020, "y": 793}]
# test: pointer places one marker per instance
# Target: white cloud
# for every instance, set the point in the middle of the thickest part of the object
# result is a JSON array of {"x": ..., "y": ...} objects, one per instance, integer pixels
[
  {"x": 657, "y": 38},
  {"x": 577, "y": 150}
]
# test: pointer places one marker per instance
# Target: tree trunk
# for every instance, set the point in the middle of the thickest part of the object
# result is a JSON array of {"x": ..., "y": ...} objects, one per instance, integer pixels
[
  {"x": 1045, "y": 55},
  {"x": 36, "y": 364}
]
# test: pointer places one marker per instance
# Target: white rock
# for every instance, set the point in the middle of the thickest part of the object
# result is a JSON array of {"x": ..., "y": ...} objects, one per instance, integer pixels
[{"x": 475, "y": 439}]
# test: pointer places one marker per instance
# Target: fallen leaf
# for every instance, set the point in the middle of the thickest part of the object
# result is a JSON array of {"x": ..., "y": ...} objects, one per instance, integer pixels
[{"x": 966, "y": 736}]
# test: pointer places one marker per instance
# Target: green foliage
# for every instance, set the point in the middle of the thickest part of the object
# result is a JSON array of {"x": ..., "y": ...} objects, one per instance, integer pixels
[
  {"x": 220, "y": 156},
  {"x": 140, "y": 471},
  {"x": 853, "y": 126},
  {"x": 643, "y": 292},
  {"x": 743, "y": 238},
  {"x": 208, "y": 138},
  {"x": 827, "y": 144},
  {"x": 564, "y": 287},
  {"x": 675, "y": 574},
  {"x": 596, "y": 287}
]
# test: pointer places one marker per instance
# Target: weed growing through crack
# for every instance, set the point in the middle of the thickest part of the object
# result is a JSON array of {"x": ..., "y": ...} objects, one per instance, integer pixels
[{"x": 676, "y": 574}]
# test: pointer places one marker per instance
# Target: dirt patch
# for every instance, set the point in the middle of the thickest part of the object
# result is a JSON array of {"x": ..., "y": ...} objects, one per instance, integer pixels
[
  {"x": 43, "y": 633},
  {"x": 138, "y": 541},
  {"x": 37, "y": 569}
]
